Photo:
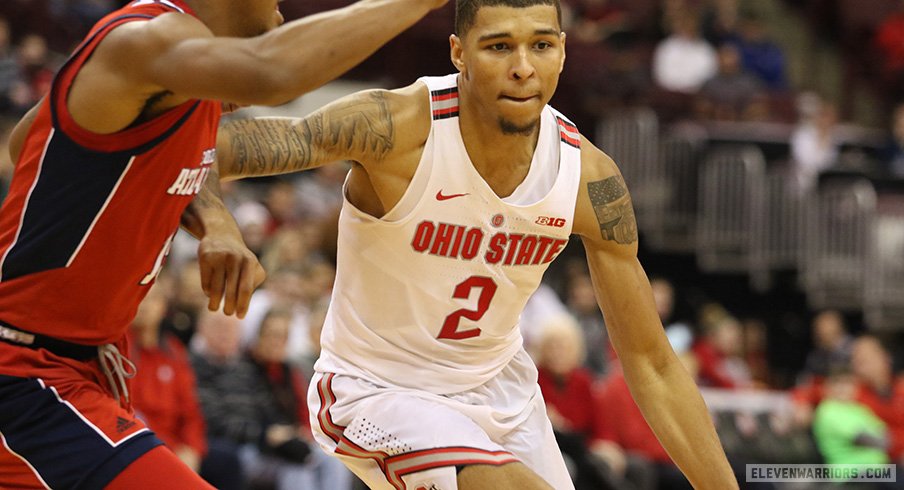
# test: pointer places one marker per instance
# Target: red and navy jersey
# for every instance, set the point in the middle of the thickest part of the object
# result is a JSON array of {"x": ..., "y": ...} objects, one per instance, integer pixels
[{"x": 89, "y": 218}]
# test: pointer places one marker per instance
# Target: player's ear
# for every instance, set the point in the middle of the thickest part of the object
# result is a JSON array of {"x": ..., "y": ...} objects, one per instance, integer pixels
[{"x": 455, "y": 52}]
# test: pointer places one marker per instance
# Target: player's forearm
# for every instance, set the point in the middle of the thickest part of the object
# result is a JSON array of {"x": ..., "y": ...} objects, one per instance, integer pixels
[
  {"x": 309, "y": 52},
  {"x": 672, "y": 405},
  {"x": 269, "y": 146}
]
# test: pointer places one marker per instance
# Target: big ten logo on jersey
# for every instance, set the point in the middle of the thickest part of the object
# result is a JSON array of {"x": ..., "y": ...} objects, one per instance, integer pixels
[
  {"x": 467, "y": 243},
  {"x": 190, "y": 180},
  {"x": 550, "y": 221}
]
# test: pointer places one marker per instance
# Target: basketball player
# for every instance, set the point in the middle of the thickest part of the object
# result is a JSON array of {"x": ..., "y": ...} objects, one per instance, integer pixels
[
  {"x": 465, "y": 188},
  {"x": 106, "y": 164}
]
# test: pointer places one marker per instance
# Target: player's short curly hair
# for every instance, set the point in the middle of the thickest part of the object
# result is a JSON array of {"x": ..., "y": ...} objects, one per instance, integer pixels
[{"x": 466, "y": 10}]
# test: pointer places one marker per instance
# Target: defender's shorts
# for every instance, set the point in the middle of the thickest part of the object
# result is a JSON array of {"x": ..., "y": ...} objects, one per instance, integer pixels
[
  {"x": 399, "y": 438},
  {"x": 59, "y": 426}
]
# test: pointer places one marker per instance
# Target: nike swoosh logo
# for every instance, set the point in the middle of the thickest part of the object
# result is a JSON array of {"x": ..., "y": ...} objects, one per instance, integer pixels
[{"x": 442, "y": 197}]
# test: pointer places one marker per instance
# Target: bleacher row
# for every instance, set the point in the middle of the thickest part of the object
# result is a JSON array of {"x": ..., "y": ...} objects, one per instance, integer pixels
[{"x": 739, "y": 213}]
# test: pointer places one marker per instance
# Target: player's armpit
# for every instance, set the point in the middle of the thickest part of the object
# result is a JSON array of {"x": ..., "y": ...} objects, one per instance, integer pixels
[{"x": 358, "y": 127}]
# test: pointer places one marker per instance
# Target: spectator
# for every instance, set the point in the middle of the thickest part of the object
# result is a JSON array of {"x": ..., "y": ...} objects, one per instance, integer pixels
[
  {"x": 223, "y": 376},
  {"x": 541, "y": 307},
  {"x": 285, "y": 453},
  {"x": 188, "y": 302},
  {"x": 760, "y": 55},
  {"x": 889, "y": 42},
  {"x": 287, "y": 290},
  {"x": 720, "y": 354},
  {"x": 13, "y": 89},
  {"x": 877, "y": 388},
  {"x": 894, "y": 151},
  {"x": 684, "y": 61},
  {"x": 282, "y": 203},
  {"x": 595, "y": 20},
  {"x": 38, "y": 67},
  {"x": 163, "y": 390},
  {"x": 832, "y": 345},
  {"x": 814, "y": 143},
  {"x": 566, "y": 388},
  {"x": 731, "y": 94},
  {"x": 315, "y": 327},
  {"x": 625, "y": 442},
  {"x": 846, "y": 431},
  {"x": 319, "y": 193},
  {"x": 582, "y": 303},
  {"x": 755, "y": 351},
  {"x": 680, "y": 334},
  {"x": 880, "y": 389}
]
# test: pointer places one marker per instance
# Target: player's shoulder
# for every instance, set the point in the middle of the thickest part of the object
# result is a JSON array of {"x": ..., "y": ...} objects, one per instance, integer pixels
[
  {"x": 595, "y": 163},
  {"x": 154, "y": 35},
  {"x": 409, "y": 108}
]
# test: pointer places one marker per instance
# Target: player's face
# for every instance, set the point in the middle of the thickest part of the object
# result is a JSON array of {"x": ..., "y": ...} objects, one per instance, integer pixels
[
  {"x": 510, "y": 61},
  {"x": 254, "y": 17}
]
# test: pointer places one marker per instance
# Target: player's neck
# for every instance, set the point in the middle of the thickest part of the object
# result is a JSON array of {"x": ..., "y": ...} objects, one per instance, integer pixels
[{"x": 502, "y": 158}]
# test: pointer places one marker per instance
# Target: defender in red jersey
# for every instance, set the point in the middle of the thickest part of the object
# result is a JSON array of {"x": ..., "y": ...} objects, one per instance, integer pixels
[{"x": 107, "y": 164}]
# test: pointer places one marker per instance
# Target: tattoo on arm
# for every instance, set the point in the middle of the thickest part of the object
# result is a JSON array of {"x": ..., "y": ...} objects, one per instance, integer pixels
[
  {"x": 613, "y": 209},
  {"x": 360, "y": 128}
]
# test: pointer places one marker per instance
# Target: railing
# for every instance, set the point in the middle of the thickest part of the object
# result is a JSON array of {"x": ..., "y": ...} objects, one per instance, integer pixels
[
  {"x": 883, "y": 300},
  {"x": 738, "y": 215},
  {"x": 840, "y": 233},
  {"x": 731, "y": 188}
]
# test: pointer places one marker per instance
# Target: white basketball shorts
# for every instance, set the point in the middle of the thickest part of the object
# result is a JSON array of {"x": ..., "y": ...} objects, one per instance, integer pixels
[{"x": 402, "y": 439}]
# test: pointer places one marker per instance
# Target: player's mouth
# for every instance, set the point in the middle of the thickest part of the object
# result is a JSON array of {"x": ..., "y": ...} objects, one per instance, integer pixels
[{"x": 519, "y": 100}]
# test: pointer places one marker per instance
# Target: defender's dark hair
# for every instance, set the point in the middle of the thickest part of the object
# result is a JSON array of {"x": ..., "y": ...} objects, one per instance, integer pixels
[{"x": 466, "y": 10}]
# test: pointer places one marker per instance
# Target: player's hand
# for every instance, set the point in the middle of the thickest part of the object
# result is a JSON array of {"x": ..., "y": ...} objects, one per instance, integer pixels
[{"x": 230, "y": 272}]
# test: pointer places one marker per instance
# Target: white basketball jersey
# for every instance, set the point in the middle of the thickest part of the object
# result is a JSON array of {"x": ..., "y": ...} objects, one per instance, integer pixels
[{"x": 429, "y": 296}]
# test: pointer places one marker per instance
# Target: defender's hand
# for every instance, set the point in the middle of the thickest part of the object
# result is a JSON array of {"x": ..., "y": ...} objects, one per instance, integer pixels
[{"x": 229, "y": 273}]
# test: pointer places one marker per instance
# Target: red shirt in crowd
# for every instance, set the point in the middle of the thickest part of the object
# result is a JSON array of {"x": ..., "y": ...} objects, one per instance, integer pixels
[
  {"x": 163, "y": 394},
  {"x": 712, "y": 366},
  {"x": 572, "y": 397},
  {"x": 620, "y": 421}
]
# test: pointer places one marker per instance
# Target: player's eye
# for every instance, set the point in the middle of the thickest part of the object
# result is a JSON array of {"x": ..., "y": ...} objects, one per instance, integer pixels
[{"x": 499, "y": 47}]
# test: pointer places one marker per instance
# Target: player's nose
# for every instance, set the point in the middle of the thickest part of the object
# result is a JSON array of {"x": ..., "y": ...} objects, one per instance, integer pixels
[{"x": 522, "y": 67}]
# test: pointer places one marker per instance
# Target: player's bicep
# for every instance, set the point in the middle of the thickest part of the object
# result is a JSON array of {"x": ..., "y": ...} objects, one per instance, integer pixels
[
  {"x": 179, "y": 54},
  {"x": 604, "y": 212}
]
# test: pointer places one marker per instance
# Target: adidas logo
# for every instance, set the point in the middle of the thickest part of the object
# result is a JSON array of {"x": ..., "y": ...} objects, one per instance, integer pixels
[{"x": 123, "y": 424}]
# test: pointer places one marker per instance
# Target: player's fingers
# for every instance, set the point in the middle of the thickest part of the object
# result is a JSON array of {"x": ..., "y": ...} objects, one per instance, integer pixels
[
  {"x": 230, "y": 293},
  {"x": 215, "y": 288},
  {"x": 206, "y": 272},
  {"x": 246, "y": 287}
]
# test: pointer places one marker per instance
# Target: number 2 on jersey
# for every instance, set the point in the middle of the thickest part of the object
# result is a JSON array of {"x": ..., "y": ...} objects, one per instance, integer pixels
[{"x": 463, "y": 291}]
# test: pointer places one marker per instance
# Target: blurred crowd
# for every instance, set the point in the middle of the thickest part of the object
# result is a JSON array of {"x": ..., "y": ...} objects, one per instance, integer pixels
[{"x": 229, "y": 396}]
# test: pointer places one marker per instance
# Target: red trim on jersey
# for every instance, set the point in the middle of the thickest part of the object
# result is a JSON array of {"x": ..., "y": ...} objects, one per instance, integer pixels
[
  {"x": 569, "y": 132},
  {"x": 439, "y": 97},
  {"x": 330, "y": 428},
  {"x": 447, "y": 110},
  {"x": 393, "y": 467}
]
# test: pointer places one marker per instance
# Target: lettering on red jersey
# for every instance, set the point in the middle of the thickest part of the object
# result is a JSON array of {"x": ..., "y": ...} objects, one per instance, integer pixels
[
  {"x": 461, "y": 242},
  {"x": 190, "y": 180}
]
